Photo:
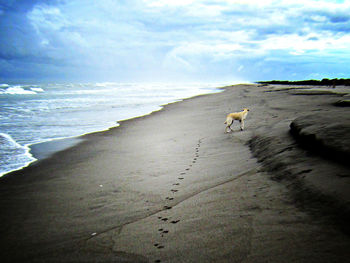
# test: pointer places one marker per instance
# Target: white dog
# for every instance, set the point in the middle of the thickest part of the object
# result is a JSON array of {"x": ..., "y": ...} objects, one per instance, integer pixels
[{"x": 239, "y": 116}]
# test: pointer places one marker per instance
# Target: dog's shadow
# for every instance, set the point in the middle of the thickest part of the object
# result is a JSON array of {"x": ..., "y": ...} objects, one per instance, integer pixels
[{"x": 234, "y": 131}]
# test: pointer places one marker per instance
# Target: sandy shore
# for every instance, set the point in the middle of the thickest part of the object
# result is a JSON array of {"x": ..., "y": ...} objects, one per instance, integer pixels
[{"x": 172, "y": 187}]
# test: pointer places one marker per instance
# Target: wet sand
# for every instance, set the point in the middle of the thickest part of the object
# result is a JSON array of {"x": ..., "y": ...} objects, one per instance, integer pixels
[{"x": 173, "y": 187}]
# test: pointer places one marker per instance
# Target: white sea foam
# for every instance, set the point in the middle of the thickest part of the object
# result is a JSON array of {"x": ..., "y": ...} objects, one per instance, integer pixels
[
  {"x": 105, "y": 84},
  {"x": 37, "y": 89},
  {"x": 17, "y": 90},
  {"x": 13, "y": 155},
  {"x": 8, "y": 141}
]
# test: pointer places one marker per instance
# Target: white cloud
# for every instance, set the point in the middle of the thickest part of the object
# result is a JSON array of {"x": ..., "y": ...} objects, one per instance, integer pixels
[
  {"x": 298, "y": 45},
  {"x": 43, "y": 16},
  {"x": 167, "y": 3}
]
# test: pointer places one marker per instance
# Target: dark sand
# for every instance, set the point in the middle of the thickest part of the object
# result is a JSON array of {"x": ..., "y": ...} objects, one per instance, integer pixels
[
  {"x": 172, "y": 187},
  {"x": 45, "y": 150}
]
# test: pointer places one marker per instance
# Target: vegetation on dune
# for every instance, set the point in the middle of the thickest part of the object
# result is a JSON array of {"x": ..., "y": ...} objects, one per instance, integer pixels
[{"x": 323, "y": 82}]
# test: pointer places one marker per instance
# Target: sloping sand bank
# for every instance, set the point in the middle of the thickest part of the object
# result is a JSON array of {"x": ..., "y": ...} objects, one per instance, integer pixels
[{"x": 173, "y": 187}]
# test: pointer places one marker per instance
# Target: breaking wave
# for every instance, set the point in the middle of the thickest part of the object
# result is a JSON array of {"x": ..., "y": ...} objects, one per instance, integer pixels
[
  {"x": 13, "y": 155},
  {"x": 18, "y": 89}
]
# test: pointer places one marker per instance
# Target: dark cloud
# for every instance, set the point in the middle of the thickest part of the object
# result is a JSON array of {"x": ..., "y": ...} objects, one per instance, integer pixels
[
  {"x": 17, "y": 36},
  {"x": 340, "y": 18},
  {"x": 23, "y": 6}
]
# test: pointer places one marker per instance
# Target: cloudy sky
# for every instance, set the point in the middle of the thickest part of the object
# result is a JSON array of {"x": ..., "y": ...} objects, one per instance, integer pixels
[{"x": 174, "y": 40}]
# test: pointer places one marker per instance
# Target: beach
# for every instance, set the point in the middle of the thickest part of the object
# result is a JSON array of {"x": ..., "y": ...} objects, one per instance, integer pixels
[{"x": 173, "y": 187}]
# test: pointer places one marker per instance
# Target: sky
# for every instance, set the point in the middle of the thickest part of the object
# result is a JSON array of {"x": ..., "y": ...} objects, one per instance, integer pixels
[{"x": 180, "y": 40}]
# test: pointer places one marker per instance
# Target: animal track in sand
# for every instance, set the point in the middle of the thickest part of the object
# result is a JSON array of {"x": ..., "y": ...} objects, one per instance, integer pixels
[
  {"x": 157, "y": 245},
  {"x": 162, "y": 231}
]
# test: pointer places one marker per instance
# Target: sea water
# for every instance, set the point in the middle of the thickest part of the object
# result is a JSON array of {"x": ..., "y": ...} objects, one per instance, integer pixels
[{"x": 31, "y": 114}]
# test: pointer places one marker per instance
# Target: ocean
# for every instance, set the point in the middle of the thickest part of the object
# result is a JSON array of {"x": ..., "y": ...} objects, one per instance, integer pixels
[{"x": 36, "y": 113}]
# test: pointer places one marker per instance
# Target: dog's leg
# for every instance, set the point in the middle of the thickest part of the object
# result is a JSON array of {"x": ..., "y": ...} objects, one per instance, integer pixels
[
  {"x": 242, "y": 125},
  {"x": 232, "y": 121},
  {"x": 229, "y": 122}
]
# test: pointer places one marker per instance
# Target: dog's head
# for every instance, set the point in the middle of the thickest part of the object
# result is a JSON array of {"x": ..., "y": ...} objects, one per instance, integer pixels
[{"x": 245, "y": 109}]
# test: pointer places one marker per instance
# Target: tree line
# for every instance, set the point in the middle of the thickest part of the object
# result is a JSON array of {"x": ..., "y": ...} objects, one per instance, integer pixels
[{"x": 323, "y": 82}]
